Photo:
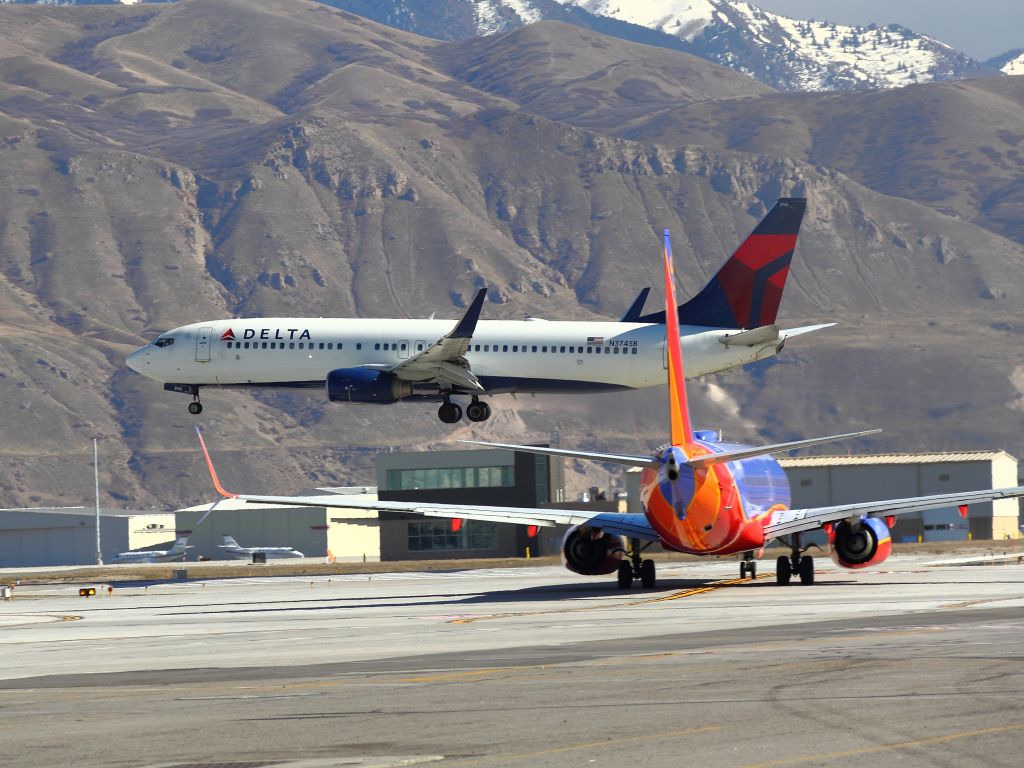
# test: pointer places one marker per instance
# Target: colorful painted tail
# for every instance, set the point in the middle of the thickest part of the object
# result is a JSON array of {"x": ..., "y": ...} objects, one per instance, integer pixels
[
  {"x": 747, "y": 290},
  {"x": 679, "y": 412}
]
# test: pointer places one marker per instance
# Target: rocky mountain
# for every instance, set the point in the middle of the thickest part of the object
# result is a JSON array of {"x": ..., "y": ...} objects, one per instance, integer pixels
[
  {"x": 784, "y": 53},
  {"x": 1009, "y": 63},
  {"x": 209, "y": 158}
]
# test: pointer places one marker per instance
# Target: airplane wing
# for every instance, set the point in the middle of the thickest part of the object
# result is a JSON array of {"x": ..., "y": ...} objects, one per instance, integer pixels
[
  {"x": 790, "y": 521},
  {"x": 619, "y": 524},
  {"x": 444, "y": 360}
]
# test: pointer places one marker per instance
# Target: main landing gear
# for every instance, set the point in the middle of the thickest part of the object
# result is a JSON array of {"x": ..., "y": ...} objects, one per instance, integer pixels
[
  {"x": 636, "y": 568},
  {"x": 797, "y": 563},
  {"x": 451, "y": 413},
  {"x": 477, "y": 411},
  {"x": 748, "y": 565}
]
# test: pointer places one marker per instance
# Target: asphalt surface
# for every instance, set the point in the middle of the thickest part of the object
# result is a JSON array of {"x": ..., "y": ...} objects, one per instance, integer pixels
[{"x": 911, "y": 664}]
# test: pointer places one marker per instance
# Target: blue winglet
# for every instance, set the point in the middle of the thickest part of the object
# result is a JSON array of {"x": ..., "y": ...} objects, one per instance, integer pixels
[{"x": 467, "y": 325}]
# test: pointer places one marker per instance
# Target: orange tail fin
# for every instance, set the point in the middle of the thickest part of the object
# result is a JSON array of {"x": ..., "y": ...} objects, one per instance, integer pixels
[{"x": 681, "y": 428}]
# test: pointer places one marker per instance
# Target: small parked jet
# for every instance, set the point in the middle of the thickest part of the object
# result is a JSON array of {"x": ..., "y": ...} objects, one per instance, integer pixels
[
  {"x": 731, "y": 322},
  {"x": 699, "y": 496},
  {"x": 233, "y": 549},
  {"x": 175, "y": 553}
]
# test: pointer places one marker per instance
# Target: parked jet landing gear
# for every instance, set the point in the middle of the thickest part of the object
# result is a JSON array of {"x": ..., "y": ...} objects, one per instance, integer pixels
[
  {"x": 796, "y": 563},
  {"x": 748, "y": 566},
  {"x": 449, "y": 412},
  {"x": 477, "y": 411},
  {"x": 637, "y": 568}
]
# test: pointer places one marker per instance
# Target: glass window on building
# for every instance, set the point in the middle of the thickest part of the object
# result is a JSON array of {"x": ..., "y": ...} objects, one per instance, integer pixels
[
  {"x": 437, "y": 535},
  {"x": 449, "y": 477}
]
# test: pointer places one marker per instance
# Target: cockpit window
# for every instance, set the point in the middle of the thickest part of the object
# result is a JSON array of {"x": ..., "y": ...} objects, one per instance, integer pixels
[{"x": 164, "y": 341}]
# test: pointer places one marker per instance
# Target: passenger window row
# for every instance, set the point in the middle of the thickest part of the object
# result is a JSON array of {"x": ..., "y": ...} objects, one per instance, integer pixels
[
  {"x": 403, "y": 346},
  {"x": 572, "y": 350}
]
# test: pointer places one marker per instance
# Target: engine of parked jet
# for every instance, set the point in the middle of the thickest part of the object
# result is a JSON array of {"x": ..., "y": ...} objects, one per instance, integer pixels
[
  {"x": 591, "y": 552},
  {"x": 365, "y": 385},
  {"x": 858, "y": 545}
]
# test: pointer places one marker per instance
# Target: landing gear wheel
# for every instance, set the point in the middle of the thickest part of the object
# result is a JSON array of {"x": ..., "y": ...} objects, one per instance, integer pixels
[
  {"x": 783, "y": 571},
  {"x": 625, "y": 575},
  {"x": 752, "y": 569},
  {"x": 449, "y": 413},
  {"x": 647, "y": 575},
  {"x": 477, "y": 411},
  {"x": 195, "y": 408},
  {"x": 743, "y": 569},
  {"x": 806, "y": 570}
]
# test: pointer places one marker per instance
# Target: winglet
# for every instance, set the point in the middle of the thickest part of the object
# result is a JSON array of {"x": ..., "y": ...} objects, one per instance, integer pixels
[
  {"x": 681, "y": 428},
  {"x": 213, "y": 472},
  {"x": 467, "y": 325},
  {"x": 636, "y": 308}
]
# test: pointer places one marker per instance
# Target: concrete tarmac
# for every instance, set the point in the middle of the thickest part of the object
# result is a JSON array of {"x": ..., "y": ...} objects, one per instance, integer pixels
[{"x": 912, "y": 664}]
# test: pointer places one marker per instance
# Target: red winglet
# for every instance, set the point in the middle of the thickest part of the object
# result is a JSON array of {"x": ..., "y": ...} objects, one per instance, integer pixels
[{"x": 213, "y": 472}]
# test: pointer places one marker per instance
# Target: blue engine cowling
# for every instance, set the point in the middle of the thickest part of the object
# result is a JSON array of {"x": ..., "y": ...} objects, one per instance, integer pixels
[
  {"x": 365, "y": 385},
  {"x": 591, "y": 552}
]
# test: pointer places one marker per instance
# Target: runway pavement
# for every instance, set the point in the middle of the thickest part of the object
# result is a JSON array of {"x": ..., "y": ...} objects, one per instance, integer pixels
[{"x": 908, "y": 664}]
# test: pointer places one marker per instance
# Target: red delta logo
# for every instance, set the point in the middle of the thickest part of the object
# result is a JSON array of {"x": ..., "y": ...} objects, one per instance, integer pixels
[{"x": 228, "y": 335}]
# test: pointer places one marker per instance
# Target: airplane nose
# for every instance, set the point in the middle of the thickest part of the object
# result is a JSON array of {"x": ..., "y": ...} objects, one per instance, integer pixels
[{"x": 134, "y": 360}]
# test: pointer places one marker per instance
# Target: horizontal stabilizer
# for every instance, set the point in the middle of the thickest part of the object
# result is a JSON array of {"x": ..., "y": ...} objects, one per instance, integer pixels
[
  {"x": 746, "y": 453},
  {"x": 752, "y": 338},
  {"x": 790, "y": 332},
  {"x": 611, "y": 458}
]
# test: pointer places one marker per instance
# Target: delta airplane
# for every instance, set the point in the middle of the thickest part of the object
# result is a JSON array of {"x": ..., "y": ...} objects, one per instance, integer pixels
[
  {"x": 233, "y": 549},
  {"x": 731, "y": 322},
  {"x": 175, "y": 553},
  {"x": 699, "y": 496}
]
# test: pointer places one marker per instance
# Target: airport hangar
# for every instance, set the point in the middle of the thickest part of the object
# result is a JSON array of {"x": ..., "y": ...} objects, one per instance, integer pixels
[{"x": 39, "y": 537}]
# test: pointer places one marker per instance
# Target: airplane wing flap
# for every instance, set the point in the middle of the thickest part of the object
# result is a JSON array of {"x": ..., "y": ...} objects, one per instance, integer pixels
[{"x": 789, "y": 521}]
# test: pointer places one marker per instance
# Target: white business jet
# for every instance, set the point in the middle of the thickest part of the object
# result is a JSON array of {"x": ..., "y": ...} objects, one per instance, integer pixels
[
  {"x": 175, "y": 553},
  {"x": 731, "y": 322},
  {"x": 233, "y": 549}
]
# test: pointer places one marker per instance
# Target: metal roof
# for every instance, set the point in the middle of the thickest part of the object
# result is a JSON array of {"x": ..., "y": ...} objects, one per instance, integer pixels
[{"x": 950, "y": 457}]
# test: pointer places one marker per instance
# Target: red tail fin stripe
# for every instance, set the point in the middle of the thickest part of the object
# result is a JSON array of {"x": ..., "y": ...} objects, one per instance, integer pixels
[{"x": 760, "y": 250}]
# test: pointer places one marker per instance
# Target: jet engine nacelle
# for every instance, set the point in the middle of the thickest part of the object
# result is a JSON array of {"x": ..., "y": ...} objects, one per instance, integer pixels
[
  {"x": 857, "y": 546},
  {"x": 365, "y": 385},
  {"x": 591, "y": 551}
]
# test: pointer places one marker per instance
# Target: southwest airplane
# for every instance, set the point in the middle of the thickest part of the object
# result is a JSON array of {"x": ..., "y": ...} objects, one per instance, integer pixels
[
  {"x": 699, "y": 496},
  {"x": 387, "y": 361},
  {"x": 233, "y": 549},
  {"x": 176, "y": 552}
]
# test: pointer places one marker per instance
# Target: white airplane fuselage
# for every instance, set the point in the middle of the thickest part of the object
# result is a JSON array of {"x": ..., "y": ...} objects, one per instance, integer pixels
[
  {"x": 271, "y": 553},
  {"x": 506, "y": 355}
]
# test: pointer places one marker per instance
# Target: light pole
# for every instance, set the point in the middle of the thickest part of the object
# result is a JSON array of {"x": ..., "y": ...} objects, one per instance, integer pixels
[{"x": 96, "y": 477}]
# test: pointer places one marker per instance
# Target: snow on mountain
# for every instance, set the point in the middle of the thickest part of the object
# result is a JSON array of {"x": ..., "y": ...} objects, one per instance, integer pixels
[
  {"x": 1009, "y": 63},
  {"x": 792, "y": 54}
]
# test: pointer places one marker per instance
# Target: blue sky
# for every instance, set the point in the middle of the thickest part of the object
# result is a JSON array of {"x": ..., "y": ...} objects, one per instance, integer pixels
[{"x": 979, "y": 28}]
